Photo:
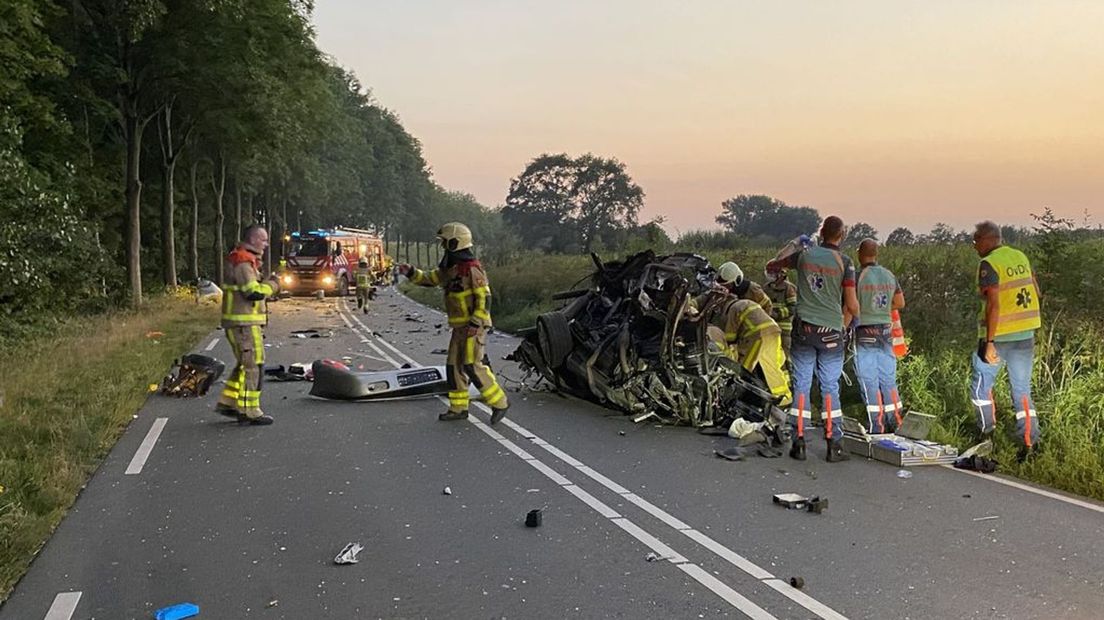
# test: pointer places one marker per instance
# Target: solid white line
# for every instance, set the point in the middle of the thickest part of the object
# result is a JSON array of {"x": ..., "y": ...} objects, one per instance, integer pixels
[
  {"x": 212, "y": 345},
  {"x": 603, "y": 508},
  {"x": 143, "y": 453},
  {"x": 734, "y": 598},
  {"x": 551, "y": 473},
  {"x": 654, "y": 510},
  {"x": 63, "y": 607},
  {"x": 602, "y": 480},
  {"x": 662, "y": 549},
  {"x": 516, "y": 449},
  {"x": 729, "y": 555},
  {"x": 804, "y": 600},
  {"x": 1030, "y": 489}
]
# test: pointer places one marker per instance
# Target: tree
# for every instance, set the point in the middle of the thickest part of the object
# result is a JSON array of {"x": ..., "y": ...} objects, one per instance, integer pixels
[
  {"x": 941, "y": 234},
  {"x": 559, "y": 201},
  {"x": 859, "y": 231},
  {"x": 900, "y": 237},
  {"x": 766, "y": 219}
]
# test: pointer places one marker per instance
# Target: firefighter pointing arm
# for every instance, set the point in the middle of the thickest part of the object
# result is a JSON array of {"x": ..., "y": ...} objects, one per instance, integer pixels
[{"x": 467, "y": 302}]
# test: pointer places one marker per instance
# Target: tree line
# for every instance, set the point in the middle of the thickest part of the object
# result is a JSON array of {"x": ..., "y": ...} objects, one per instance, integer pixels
[{"x": 138, "y": 138}]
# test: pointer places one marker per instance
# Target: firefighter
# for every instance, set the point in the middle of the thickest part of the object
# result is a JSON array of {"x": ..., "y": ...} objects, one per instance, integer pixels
[
  {"x": 879, "y": 295},
  {"x": 244, "y": 315},
  {"x": 363, "y": 284},
  {"x": 1007, "y": 320},
  {"x": 467, "y": 302},
  {"x": 749, "y": 337},
  {"x": 826, "y": 301},
  {"x": 783, "y": 296},
  {"x": 731, "y": 280}
]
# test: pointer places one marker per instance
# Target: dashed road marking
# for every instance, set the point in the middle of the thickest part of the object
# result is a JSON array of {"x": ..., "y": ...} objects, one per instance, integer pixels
[
  {"x": 144, "y": 450},
  {"x": 211, "y": 347},
  {"x": 63, "y": 607}
]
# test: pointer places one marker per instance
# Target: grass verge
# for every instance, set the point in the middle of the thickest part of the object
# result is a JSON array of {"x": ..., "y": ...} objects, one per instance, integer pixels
[{"x": 66, "y": 398}]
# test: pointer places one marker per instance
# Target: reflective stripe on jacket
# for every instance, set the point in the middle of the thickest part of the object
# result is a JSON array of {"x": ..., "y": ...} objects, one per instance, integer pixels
[
  {"x": 467, "y": 292},
  {"x": 244, "y": 294}
]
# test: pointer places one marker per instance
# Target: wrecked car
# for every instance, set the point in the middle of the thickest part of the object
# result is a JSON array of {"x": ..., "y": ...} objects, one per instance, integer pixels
[{"x": 627, "y": 341}]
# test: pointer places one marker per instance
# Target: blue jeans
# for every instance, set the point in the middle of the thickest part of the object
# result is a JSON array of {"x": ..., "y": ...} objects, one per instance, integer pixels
[
  {"x": 876, "y": 367},
  {"x": 1019, "y": 357},
  {"x": 820, "y": 350}
]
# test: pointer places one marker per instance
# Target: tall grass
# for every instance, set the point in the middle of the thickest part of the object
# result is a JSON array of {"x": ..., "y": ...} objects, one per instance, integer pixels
[
  {"x": 66, "y": 398},
  {"x": 939, "y": 320}
]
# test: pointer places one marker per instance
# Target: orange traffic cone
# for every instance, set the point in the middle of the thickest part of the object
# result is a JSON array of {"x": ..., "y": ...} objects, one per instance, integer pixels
[{"x": 900, "y": 349}]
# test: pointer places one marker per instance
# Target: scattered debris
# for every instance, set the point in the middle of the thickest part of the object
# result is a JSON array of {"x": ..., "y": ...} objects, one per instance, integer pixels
[
  {"x": 797, "y": 582},
  {"x": 990, "y": 518},
  {"x": 904, "y": 473},
  {"x": 153, "y": 335},
  {"x": 312, "y": 333},
  {"x": 348, "y": 553},
  {"x": 439, "y": 352},
  {"x": 320, "y": 294},
  {"x": 976, "y": 463},
  {"x": 207, "y": 291},
  {"x": 534, "y": 518},
  {"x": 177, "y": 612},
  {"x": 622, "y": 433},
  {"x": 194, "y": 376},
  {"x": 294, "y": 372},
  {"x": 414, "y": 317},
  {"x": 272, "y": 603},
  {"x": 731, "y": 454},
  {"x": 336, "y": 381},
  {"x": 652, "y": 557},
  {"x": 794, "y": 501},
  {"x": 448, "y": 491}
]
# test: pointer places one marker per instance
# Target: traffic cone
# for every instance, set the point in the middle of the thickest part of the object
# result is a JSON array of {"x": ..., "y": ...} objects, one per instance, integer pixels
[{"x": 900, "y": 349}]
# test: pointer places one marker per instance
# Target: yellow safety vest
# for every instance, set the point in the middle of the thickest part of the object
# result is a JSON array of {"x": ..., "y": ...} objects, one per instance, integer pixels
[{"x": 1018, "y": 297}]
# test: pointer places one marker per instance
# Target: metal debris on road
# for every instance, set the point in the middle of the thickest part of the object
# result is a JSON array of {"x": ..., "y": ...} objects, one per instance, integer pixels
[
  {"x": 439, "y": 352},
  {"x": 177, "y": 612},
  {"x": 193, "y": 377},
  {"x": 990, "y": 518},
  {"x": 272, "y": 603},
  {"x": 312, "y": 333},
  {"x": 348, "y": 553},
  {"x": 793, "y": 501}
]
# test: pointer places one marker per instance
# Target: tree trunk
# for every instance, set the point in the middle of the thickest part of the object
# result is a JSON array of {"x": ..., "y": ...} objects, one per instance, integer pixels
[
  {"x": 268, "y": 227},
  {"x": 237, "y": 208},
  {"x": 250, "y": 216},
  {"x": 218, "y": 186},
  {"x": 168, "y": 229},
  {"x": 133, "y": 127},
  {"x": 193, "y": 231}
]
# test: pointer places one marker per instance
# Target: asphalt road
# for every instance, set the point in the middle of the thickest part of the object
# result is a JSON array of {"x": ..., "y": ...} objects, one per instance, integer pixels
[{"x": 245, "y": 521}]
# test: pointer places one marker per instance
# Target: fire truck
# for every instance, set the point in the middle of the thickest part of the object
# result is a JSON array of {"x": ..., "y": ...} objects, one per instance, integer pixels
[{"x": 326, "y": 260}]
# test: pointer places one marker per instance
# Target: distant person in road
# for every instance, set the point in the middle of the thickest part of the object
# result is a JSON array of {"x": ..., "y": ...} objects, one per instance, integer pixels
[
  {"x": 783, "y": 296},
  {"x": 1007, "y": 320},
  {"x": 363, "y": 284},
  {"x": 467, "y": 303},
  {"x": 875, "y": 362},
  {"x": 826, "y": 301},
  {"x": 244, "y": 315}
]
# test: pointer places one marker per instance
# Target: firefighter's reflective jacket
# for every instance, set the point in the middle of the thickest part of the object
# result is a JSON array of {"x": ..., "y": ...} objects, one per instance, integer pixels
[
  {"x": 244, "y": 294},
  {"x": 467, "y": 292}
]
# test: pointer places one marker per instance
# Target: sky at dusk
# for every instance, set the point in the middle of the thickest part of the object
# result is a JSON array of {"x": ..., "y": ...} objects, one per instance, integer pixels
[{"x": 896, "y": 113}]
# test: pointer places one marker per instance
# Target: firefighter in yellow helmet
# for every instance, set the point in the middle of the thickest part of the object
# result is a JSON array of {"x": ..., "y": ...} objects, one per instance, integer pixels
[
  {"x": 467, "y": 302},
  {"x": 244, "y": 315},
  {"x": 731, "y": 281},
  {"x": 363, "y": 284},
  {"x": 749, "y": 336}
]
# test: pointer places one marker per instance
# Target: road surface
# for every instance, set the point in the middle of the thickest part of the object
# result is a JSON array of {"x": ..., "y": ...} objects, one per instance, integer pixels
[{"x": 245, "y": 521}]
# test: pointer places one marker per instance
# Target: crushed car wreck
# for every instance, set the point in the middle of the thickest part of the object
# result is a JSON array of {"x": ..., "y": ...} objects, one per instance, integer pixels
[{"x": 629, "y": 341}]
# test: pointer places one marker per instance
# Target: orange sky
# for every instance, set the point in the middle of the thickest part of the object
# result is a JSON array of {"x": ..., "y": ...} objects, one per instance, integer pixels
[{"x": 897, "y": 113}]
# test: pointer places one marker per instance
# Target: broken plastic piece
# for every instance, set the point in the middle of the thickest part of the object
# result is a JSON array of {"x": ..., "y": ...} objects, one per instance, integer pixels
[
  {"x": 348, "y": 553},
  {"x": 534, "y": 518},
  {"x": 177, "y": 612},
  {"x": 731, "y": 454},
  {"x": 818, "y": 504},
  {"x": 651, "y": 557},
  {"x": 797, "y": 582},
  {"x": 904, "y": 473},
  {"x": 448, "y": 491}
]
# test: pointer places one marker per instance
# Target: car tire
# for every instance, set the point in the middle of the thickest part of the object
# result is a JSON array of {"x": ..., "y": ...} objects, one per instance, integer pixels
[
  {"x": 554, "y": 338},
  {"x": 343, "y": 286}
]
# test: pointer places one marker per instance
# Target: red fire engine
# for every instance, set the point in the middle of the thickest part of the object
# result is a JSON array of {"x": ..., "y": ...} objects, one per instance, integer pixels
[{"x": 327, "y": 259}]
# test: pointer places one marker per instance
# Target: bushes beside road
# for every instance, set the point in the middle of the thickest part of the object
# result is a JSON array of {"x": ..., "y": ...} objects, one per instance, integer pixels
[{"x": 939, "y": 320}]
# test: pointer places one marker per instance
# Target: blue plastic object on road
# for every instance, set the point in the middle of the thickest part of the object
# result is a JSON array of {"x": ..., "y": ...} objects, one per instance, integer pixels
[{"x": 177, "y": 612}]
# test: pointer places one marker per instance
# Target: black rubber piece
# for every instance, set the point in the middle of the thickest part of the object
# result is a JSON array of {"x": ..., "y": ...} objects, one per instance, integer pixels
[{"x": 554, "y": 337}]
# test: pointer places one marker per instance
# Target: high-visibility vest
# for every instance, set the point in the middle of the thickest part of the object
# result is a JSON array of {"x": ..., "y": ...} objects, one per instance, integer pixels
[{"x": 1017, "y": 297}]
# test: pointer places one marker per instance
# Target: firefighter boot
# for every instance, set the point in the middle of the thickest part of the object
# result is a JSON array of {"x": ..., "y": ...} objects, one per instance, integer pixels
[
  {"x": 836, "y": 453},
  {"x": 497, "y": 415},
  {"x": 797, "y": 450},
  {"x": 227, "y": 411},
  {"x": 449, "y": 416},
  {"x": 261, "y": 420}
]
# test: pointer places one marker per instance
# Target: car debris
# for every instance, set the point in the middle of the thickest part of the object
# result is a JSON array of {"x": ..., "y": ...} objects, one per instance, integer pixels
[
  {"x": 348, "y": 553},
  {"x": 797, "y": 582},
  {"x": 294, "y": 372},
  {"x": 336, "y": 381},
  {"x": 628, "y": 342},
  {"x": 793, "y": 501},
  {"x": 194, "y": 376},
  {"x": 534, "y": 518},
  {"x": 447, "y": 491},
  {"x": 731, "y": 454},
  {"x": 312, "y": 333},
  {"x": 177, "y": 612}
]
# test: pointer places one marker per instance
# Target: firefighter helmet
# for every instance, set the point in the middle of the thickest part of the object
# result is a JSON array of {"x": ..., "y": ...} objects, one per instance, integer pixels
[
  {"x": 455, "y": 236},
  {"x": 363, "y": 262},
  {"x": 730, "y": 273}
]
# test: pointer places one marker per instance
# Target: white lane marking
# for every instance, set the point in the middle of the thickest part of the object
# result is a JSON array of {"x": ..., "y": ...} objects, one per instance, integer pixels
[
  {"x": 516, "y": 449},
  {"x": 662, "y": 549},
  {"x": 144, "y": 450},
  {"x": 804, "y": 600},
  {"x": 1030, "y": 489},
  {"x": 63, "y": 607},
  {"x": 720, "y": 550},
  {"x": 378, "y": 350},
  {"x": 213, "y": 344},
  {"x": 700, "y": 575},
  {"x": 734, "y": 598}
]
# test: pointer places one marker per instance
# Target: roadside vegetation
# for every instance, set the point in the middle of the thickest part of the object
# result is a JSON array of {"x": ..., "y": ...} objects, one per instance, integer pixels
[
  {"x": 938, "y": 280},
  {"x": 66, "y": 397}
]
